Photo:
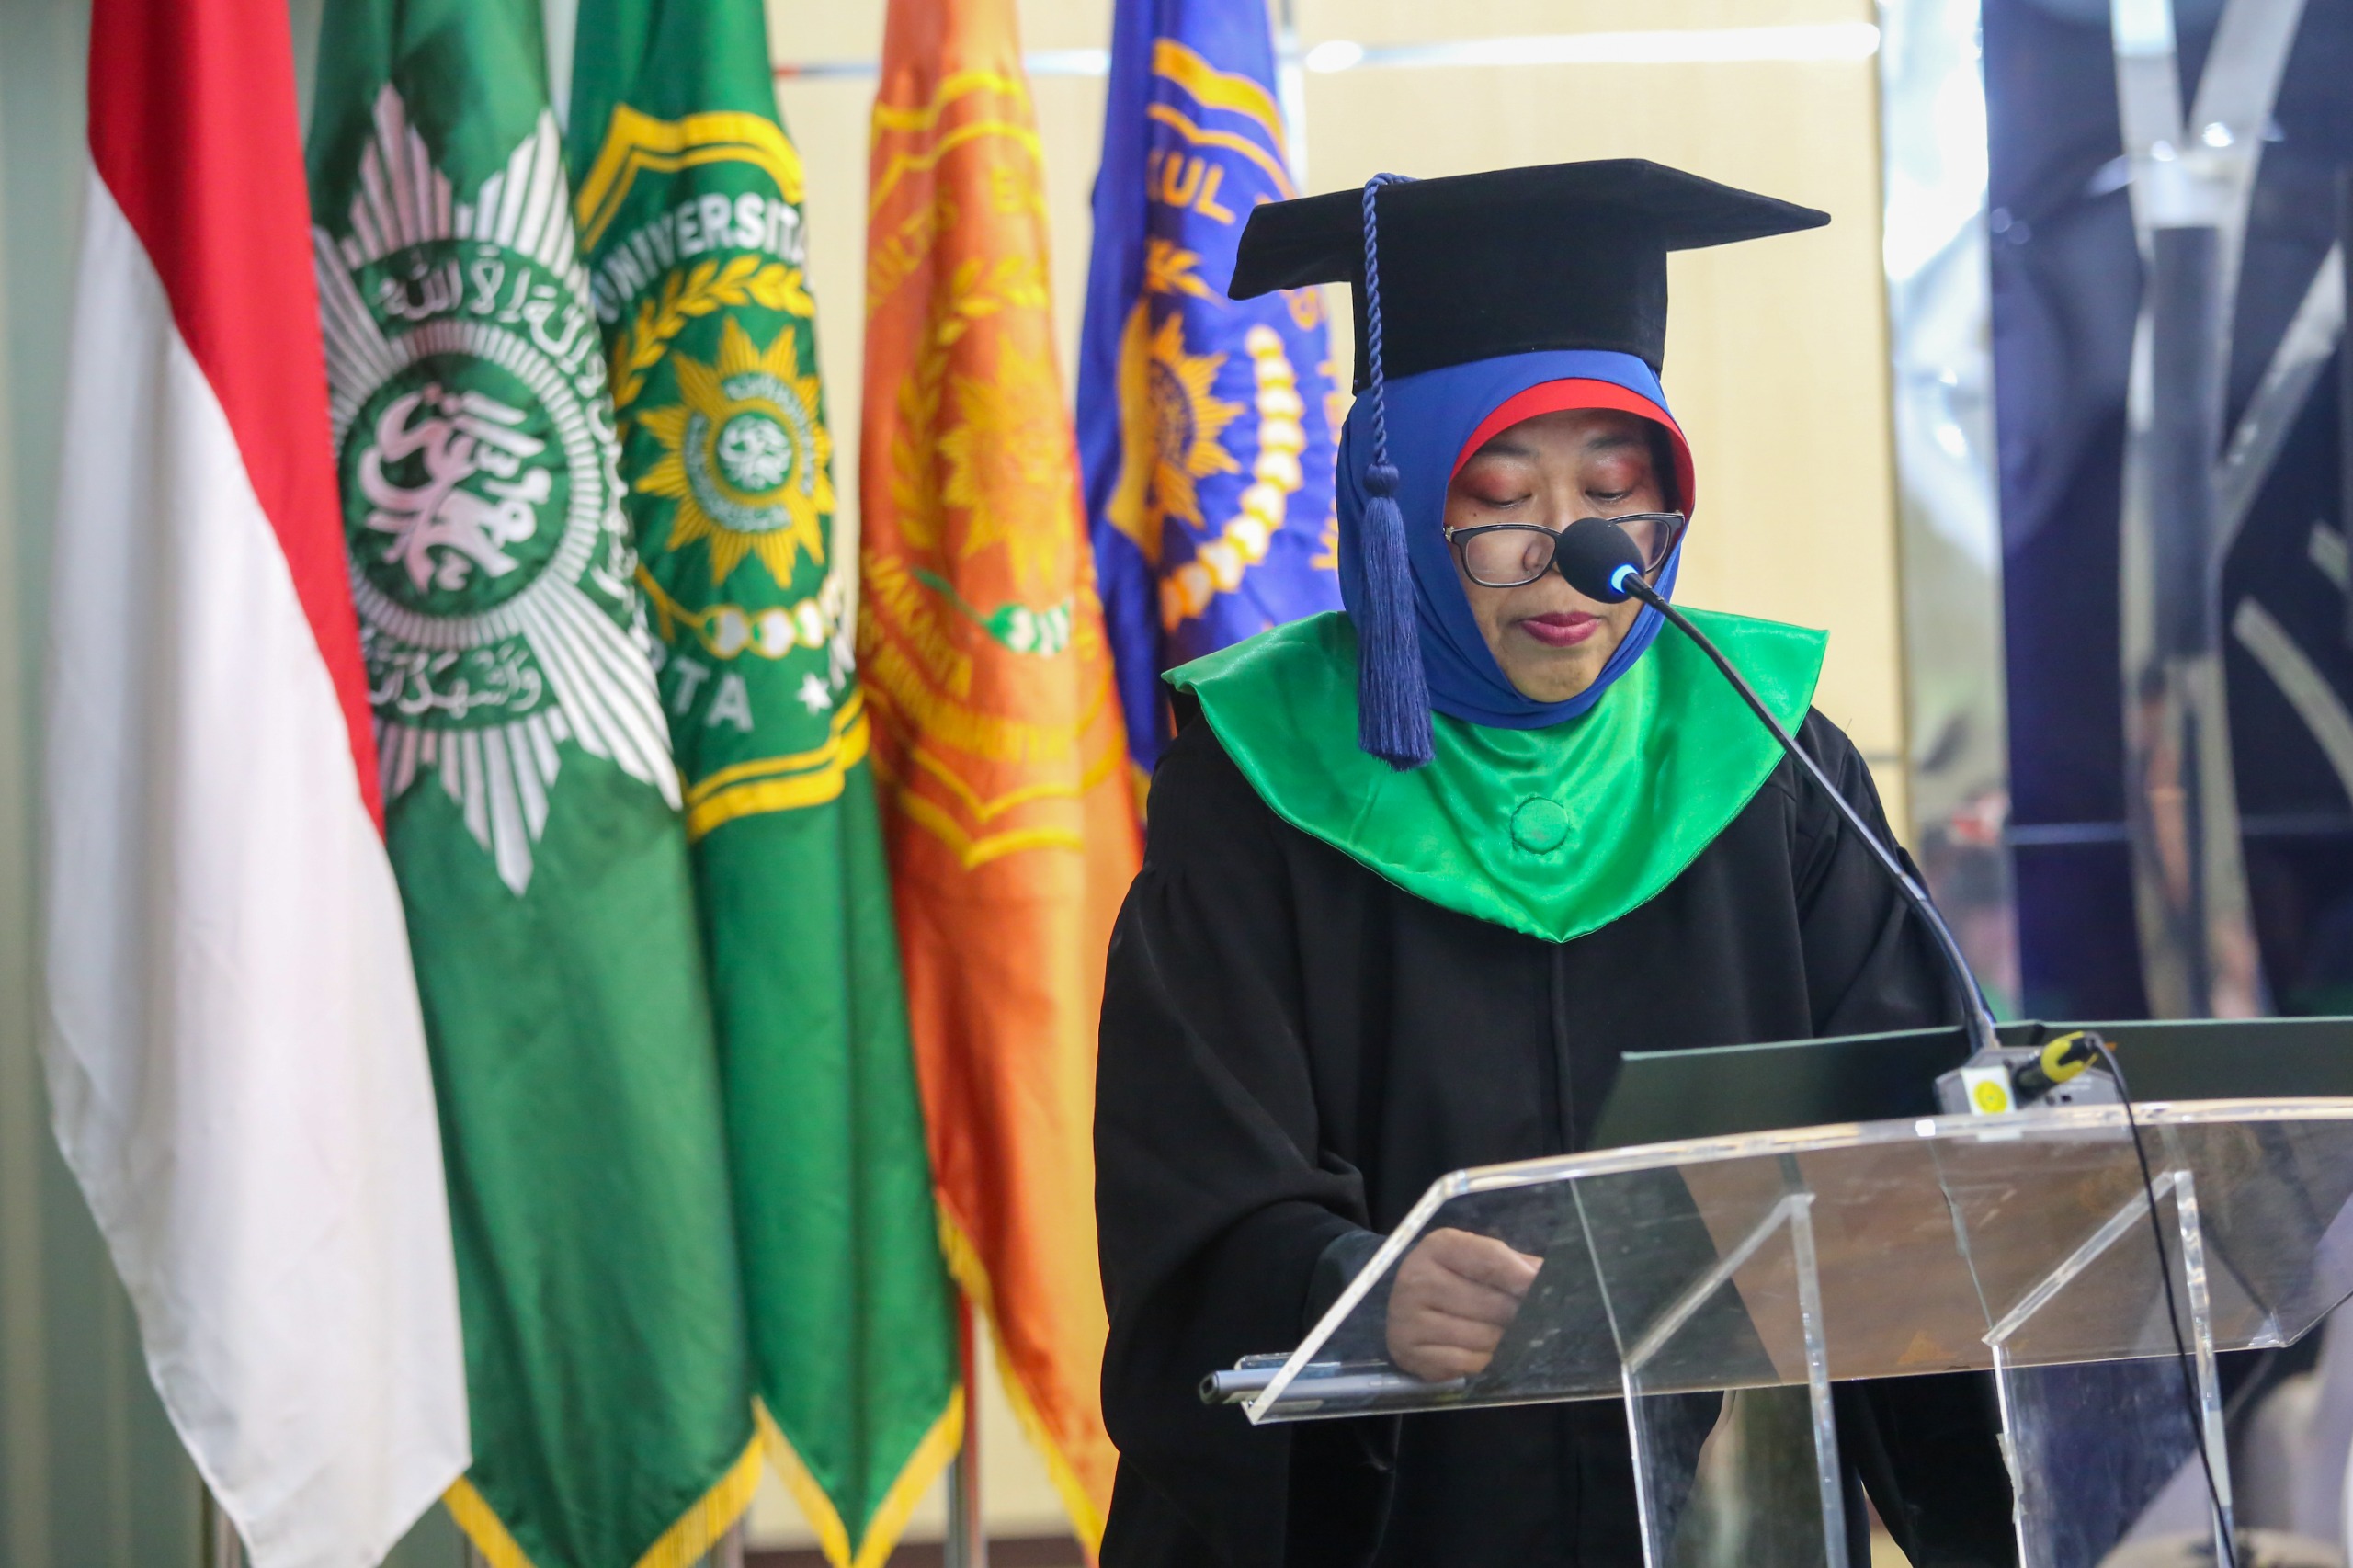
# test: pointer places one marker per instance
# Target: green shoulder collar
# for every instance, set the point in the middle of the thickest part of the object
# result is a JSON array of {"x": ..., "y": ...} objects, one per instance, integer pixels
[{"x": 1554, "y": 831}]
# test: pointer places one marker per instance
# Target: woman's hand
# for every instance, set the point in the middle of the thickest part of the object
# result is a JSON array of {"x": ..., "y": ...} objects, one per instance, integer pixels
[{"x": 1455, "y": 1295}]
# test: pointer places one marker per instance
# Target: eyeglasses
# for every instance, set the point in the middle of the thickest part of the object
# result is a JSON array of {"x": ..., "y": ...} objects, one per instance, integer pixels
[{"x": 1506, "y": 555}]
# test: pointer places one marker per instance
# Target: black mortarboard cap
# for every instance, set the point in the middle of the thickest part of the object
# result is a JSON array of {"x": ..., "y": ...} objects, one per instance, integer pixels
[{"x": 1511, "y": 261}]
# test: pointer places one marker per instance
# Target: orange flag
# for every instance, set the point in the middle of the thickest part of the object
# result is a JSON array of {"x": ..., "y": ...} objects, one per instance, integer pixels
[{"x": 997, "y": 740}]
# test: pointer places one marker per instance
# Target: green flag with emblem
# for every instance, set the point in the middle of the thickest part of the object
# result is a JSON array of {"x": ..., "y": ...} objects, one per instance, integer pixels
[
  {"x": 689, "y": 207},
  {"x": 533, "y": 808}
]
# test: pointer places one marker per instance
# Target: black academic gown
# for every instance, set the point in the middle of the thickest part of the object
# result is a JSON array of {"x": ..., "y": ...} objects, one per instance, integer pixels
[{"x": 1293, "y": 1049}]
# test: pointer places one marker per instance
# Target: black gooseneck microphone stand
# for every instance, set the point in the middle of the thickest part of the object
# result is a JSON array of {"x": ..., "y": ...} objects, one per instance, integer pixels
[
  {"x": 1601, "y": 562},
  {"x": 1976, "y": 1016}
]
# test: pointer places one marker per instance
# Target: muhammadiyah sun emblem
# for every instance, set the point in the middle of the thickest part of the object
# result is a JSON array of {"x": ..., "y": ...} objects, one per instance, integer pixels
[
  {"x": 1175, "y": 429},
  {"x": 490, "y": 563},
  {"x": 746, "y": 455},
  {"x": 1188, "y": 423},
  {"x": 1175, "y": 435}
]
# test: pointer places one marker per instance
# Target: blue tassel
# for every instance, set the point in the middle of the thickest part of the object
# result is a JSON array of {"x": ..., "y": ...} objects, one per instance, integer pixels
[
  {"x": 1393, "y": 697},
  {"x": 1392, "y": 694}
]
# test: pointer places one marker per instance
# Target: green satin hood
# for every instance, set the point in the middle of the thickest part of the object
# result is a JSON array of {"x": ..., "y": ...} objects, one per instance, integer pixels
[{"x": 1554, "y": 831}]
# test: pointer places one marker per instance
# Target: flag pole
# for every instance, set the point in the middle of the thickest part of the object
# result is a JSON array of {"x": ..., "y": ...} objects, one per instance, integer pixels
[
  {"x": 1291, "y": 88},
  {"x": 222, "y": 1546},
  {"x": 968, "y": 1536}
]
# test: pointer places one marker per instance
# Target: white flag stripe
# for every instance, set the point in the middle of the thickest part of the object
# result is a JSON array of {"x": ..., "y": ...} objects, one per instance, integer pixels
[{"x": 235, "y": 1051}]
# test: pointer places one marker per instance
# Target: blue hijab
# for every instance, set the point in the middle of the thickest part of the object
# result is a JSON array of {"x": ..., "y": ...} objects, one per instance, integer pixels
[{"x": 1430, "y": 415}]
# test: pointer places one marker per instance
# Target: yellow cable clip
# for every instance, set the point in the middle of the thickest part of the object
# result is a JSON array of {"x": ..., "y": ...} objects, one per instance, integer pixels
[{"x": 2066, "y": 1056}]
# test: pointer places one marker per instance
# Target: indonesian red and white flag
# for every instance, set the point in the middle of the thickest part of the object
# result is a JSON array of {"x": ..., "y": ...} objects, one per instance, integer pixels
[{"x": 237, "y": 1057}]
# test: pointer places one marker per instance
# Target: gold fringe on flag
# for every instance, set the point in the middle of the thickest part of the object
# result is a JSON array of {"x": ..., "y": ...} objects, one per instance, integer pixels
[
  {"x": 972, "y": 1277},
  {"x": 683, "y": 1544},
  {"x": 890, "y": 1521}
]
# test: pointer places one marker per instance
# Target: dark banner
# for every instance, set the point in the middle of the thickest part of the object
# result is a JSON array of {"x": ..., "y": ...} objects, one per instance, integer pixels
[{"x": 2148, "y": 621}]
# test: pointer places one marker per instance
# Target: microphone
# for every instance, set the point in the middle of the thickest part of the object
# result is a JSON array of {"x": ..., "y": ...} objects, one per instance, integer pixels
[{"x": 1602, "y": 564}]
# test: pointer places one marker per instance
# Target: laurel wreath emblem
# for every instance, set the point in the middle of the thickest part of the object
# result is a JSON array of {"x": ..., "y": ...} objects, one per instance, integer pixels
[{"x": 742, "y": 280}]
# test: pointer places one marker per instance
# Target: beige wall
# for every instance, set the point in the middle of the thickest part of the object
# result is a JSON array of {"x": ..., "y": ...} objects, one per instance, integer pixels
[{"x": 1776, "y": 357}]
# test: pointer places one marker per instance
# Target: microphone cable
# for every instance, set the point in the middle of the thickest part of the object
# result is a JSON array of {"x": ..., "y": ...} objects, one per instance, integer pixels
[{"x": 2225, "y": 1523}]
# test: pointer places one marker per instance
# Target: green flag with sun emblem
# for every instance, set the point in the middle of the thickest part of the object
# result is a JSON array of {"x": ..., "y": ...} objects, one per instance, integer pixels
[
  {"x": 533, "y": 808},
  {"x": 689, "y": 207}
]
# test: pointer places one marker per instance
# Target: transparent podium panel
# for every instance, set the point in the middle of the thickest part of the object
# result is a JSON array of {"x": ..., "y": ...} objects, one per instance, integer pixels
[
  {"x": 1752, "y": 1487},
  {"x": 1719, "y": 1286},
  {"x": 2080, "y": 1494}
]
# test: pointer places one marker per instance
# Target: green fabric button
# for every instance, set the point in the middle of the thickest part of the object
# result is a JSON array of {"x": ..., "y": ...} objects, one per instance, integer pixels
[{"x": 1539, "y": 825}]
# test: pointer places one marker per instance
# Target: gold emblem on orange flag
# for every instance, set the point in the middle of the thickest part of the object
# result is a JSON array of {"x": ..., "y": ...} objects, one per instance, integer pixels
[{"x": 996, "y": 738}]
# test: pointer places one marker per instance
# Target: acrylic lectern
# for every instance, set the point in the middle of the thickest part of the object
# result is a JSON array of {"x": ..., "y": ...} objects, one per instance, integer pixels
[{"x": 1739, "y": 1276}]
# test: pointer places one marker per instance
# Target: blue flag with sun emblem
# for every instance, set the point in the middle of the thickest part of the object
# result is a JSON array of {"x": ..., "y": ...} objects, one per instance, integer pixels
[{"x": 1206, "y": 425}]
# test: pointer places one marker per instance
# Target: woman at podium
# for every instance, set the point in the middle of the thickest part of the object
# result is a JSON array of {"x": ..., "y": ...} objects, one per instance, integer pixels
[{"x": 1418, "y": 874}]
